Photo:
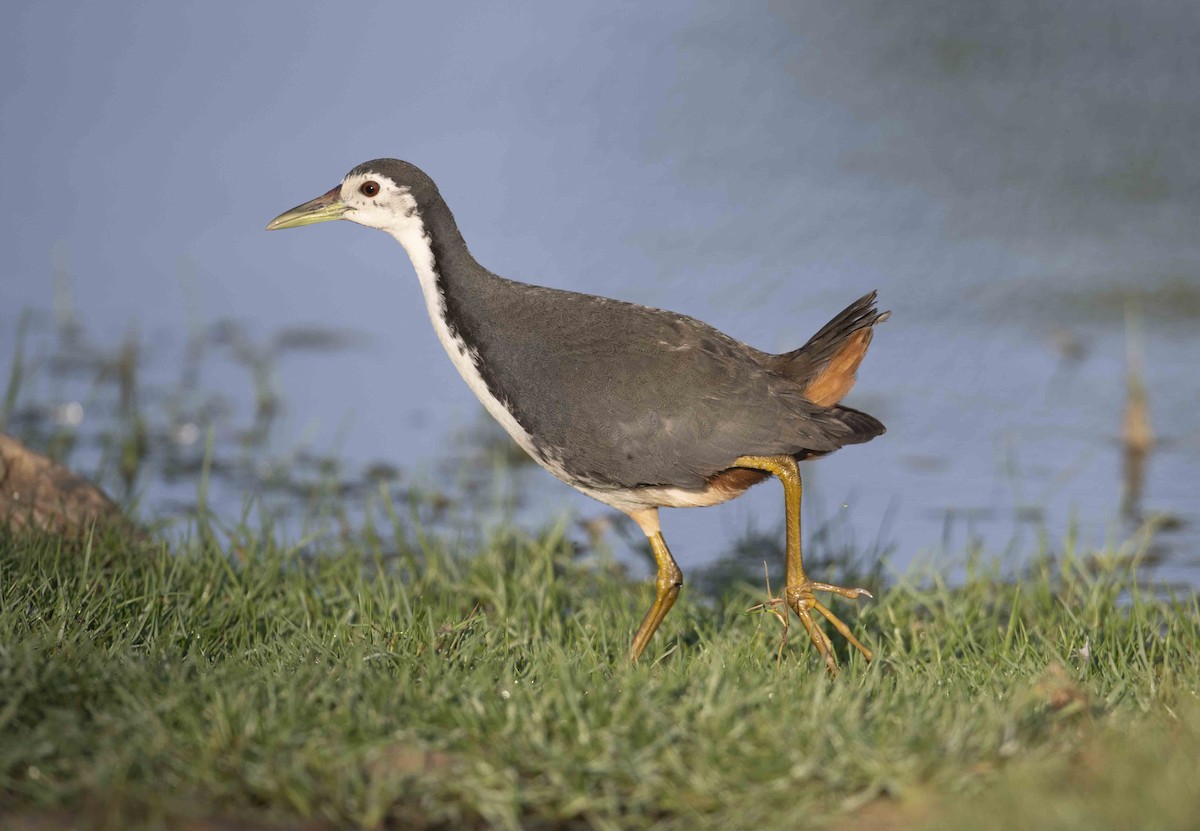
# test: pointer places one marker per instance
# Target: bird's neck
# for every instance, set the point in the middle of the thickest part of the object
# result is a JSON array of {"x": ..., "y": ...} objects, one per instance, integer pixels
[
  {"x": 434, "y": 244},
  {"x": 456, "y": 290},
  {"x": 454, "y": 285},
  {"x": 448, "y": 274}
]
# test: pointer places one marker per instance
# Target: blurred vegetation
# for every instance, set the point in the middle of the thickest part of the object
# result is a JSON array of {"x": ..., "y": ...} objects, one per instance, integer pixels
[{"x": 147, "y": 422}]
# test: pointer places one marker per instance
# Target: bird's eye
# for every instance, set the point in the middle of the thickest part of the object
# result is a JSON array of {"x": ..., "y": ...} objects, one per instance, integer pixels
[{"x": 369, "y": 189}]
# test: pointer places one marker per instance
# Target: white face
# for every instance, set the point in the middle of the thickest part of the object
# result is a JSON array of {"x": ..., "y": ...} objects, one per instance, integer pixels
[{"x": 378, "y": 202}]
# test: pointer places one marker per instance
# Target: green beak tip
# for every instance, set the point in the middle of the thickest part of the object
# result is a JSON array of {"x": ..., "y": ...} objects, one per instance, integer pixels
[{"x": 326, "y": 207}]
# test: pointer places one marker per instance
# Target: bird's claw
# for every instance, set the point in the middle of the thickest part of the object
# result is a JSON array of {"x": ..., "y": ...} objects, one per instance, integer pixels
[{"x": 802, "y": 600}]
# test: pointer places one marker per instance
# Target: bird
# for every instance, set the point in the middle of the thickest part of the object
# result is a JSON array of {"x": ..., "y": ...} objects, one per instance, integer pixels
[{"x": 637, "y": 407}]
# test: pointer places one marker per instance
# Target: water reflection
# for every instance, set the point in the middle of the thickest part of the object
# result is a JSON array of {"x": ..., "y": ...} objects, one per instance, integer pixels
[{"x": 162, "y": 441}]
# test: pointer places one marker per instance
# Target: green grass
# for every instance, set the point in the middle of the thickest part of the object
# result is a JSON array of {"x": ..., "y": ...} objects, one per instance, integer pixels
[{"x": 141, "y": 687}]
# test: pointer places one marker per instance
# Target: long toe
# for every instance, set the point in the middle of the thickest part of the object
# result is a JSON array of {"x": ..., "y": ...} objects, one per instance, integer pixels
[{"x": 803, "y": 601}]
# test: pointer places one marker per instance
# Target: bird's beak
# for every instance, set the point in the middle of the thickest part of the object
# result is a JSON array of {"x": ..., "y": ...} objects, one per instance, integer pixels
[{"x": 325, "y": 207}]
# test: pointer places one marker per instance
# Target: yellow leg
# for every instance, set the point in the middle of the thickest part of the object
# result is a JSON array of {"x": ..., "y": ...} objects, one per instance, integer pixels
[
  {"x": 666, "y": 585},
  {"x": 799, "y": 590}
]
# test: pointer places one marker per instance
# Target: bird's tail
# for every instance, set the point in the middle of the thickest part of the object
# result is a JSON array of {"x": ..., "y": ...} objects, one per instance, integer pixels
[
  {"x": 826, "y": 366},
  {"x": 861, "y": 426}
]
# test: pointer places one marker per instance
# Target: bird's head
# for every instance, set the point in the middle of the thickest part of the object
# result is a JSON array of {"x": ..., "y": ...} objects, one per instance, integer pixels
[{"x": 385, "y": 193}]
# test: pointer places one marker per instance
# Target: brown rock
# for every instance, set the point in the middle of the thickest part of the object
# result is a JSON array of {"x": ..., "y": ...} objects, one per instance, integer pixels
[{"x": 37, "y": 492}]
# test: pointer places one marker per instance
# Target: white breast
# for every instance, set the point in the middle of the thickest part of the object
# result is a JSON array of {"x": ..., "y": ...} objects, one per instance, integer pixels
[{"x": 465, "y": 359}]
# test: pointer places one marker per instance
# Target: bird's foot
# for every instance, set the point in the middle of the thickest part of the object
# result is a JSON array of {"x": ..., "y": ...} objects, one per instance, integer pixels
[{"x": 803, "y": 601}]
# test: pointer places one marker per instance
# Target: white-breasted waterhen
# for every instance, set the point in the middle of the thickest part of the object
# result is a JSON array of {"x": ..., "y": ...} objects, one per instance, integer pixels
[{"x": 637, "y": 407}]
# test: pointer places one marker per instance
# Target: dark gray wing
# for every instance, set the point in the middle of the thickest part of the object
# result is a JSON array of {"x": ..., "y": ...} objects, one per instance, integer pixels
[{"x": 624, "y": 395}]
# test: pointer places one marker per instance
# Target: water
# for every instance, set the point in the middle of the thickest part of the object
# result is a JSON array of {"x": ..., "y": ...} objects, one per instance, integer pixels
[{"x": 1017, "y": 179}]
